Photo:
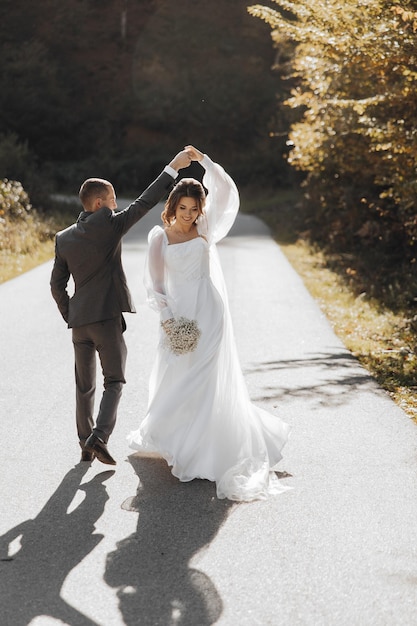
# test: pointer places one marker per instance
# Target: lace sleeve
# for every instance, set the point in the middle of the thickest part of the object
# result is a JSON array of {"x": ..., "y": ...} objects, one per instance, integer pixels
[
  {"x": 222, "y": 202},
  {"x": 154, "y": 276}
]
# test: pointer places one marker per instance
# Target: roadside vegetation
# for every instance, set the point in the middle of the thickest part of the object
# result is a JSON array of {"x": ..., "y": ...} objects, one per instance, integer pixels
[
  {"x": 349, "y": 116},
  {"x": 351, "y": 69},
  {"x": 26, "y": 235},
  {"x": 382, "y": 338}
]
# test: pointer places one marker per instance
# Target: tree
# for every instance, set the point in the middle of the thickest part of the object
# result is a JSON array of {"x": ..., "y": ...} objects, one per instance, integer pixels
[
  {"x": 203, "y": 76},
  {"x": 355, "y": 64},
  {"x": 113, "y": 88}
]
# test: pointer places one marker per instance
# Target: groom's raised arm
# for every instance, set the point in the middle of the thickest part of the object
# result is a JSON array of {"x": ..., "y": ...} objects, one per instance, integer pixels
[{"x": 156, "y": 191}]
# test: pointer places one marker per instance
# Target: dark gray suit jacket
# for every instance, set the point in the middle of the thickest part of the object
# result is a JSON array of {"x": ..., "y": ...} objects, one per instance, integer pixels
[{"x": 90, "y": 251}]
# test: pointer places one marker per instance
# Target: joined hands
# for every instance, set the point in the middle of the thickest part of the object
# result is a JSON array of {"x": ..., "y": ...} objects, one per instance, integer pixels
[
  {"x": 195, "y": 155},
  {"x": 183, "y": 159}
]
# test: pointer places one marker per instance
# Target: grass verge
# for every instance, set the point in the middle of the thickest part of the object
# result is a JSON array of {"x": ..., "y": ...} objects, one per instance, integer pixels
[
  {"x": 26, "y": 243},
  {"x": 13, "y": 264}
]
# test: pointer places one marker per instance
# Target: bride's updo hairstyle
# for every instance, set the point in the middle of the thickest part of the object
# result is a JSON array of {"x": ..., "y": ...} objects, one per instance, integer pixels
[{"x": 189, "y": 187}]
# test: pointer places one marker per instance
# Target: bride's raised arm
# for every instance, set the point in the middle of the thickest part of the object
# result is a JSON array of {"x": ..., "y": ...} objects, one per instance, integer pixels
[{"x": 222, "y": 202}]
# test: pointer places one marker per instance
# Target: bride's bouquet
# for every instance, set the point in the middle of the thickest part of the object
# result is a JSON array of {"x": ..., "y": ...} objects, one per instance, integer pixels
[{"x": 181, "y": 335}]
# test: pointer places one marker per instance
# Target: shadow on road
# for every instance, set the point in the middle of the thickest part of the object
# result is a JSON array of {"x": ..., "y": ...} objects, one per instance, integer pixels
[
  {"x": 51, "y": 545},
  {"x": 346, "y": 378},
  {"x": 150, "y": 568}
]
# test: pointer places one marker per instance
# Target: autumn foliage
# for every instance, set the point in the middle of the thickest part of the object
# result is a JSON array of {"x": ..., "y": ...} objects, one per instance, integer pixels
[{"x": 352, "y": 67}]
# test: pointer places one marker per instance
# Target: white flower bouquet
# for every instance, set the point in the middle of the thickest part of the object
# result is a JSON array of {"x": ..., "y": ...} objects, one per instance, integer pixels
[{"x": 181, "y": 335}]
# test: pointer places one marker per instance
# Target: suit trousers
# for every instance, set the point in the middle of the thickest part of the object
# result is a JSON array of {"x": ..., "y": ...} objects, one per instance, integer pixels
[{"x": 106, "y": 339}]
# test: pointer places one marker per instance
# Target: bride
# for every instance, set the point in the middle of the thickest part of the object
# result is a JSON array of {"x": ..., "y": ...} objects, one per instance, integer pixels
[{"x": 200, "y": 417}]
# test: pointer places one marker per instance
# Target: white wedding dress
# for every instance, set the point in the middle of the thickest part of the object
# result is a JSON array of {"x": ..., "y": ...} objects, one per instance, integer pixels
[{"x": 200, "y": 417}]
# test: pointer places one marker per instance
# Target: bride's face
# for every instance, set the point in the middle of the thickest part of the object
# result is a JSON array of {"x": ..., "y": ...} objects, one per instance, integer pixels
[{"x": 187, "y": 211}]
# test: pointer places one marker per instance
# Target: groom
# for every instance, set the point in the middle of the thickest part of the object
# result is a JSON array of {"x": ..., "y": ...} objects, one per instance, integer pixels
[{"x": 90, "y": 252}]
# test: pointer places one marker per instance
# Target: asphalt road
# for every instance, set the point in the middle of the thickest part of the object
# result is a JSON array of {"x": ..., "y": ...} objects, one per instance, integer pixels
[{"x": 84, "y": 545}]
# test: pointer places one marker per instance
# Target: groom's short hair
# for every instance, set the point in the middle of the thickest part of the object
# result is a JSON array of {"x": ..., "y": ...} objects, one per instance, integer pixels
[{"x": 93, "y": 188}]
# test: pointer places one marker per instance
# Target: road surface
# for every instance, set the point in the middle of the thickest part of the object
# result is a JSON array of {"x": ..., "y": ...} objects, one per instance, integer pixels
[{"x": 85, "y": 545}]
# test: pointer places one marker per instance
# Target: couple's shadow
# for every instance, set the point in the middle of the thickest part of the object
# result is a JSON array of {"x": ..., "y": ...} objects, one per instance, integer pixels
[
  {"x": 151, "y": 568},
  {"x": 51, "y": 545}
]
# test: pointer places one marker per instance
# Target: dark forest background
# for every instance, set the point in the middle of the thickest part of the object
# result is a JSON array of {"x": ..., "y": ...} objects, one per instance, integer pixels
[{"x": 114, "y": 88}]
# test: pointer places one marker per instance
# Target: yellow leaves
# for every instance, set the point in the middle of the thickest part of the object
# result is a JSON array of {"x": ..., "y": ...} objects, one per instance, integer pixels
[
  {"x": 408, "y": 17},
  {"x": 280, "y": 26},
  {"x": 353, "y": 76},
  {"x": 357, "y": 106},
  {"x": 379, "y": 147},
  {"x": 266, "y": 14}
]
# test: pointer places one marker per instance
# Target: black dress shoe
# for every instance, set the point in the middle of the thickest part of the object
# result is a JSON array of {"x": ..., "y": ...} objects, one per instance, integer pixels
[{"x": 97, "y": 447}]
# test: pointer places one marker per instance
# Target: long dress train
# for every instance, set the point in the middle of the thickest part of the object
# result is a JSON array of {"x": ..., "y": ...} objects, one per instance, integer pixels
[{"x": 200, "y": 417}]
